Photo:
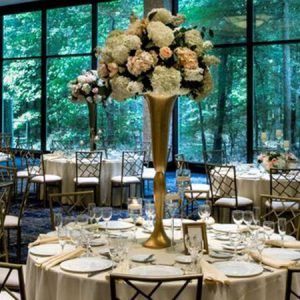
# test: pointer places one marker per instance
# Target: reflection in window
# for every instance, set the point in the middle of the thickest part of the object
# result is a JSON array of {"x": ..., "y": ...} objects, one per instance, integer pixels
[{"x": 21, "y": 101}]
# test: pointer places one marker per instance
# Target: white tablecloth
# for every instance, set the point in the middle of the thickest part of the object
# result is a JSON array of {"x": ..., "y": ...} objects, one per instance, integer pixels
[
  {"x": 66, "y": 168},
  {"x": 56, "y": 284}
]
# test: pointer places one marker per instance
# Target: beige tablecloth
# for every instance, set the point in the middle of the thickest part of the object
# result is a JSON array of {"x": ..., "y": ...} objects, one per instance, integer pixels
[{"x": 56, "y": 284}]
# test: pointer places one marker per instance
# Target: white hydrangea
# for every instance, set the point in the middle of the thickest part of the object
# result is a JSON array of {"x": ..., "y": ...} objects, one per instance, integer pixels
[
  {"x": 193, "y": 74},
  {"x": 119, "y": 86},
  {"x": 135, "y": 87},
  {"x": 132, "y": 42},
  {"x": 160, "y": 34},
  {"x": 210, "y": 60},
  {"x": 115, "y": 37},
  {"x": 165, "y": 81},
  {"x": 207, "y": 45},
  {"x": 193, "y": 37},
  {"x": 106, "y": 55},
  {"x": 120, "y": 54},
  {"x": 162, "y": 15},
  {"x": 86, "y": 88}
]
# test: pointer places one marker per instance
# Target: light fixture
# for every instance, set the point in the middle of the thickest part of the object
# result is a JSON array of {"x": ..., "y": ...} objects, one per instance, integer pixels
[{"x": 241, "y": 21}]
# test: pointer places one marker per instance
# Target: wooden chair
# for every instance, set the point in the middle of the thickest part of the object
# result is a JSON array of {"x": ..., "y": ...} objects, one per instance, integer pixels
[
  {"x": 289, "y": 284},
  {"x": 131, "y": 172},
  {"x": 6, "y": 291},
  {"x": 223, "y": 188},
  {"x": 283, "y": 207},
  {"x": 88, "y": 172},
  {"x": 135, "y": 282},
  {"x": 3, "y": 239},
  {"x": 8, "y": 177},
  {"x": 69, "y": 203}
]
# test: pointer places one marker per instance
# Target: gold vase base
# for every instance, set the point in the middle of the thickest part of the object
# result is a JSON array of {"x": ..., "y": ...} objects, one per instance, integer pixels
[{"x": 158, "y": 240}]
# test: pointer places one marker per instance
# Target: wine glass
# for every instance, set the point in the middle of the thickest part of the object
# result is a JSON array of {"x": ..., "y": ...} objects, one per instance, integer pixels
[
  {"x": 150, "y": 212},
  {"x": 106, "y": 216},
  {"x": 58, "y": 220},
  {"x": 248, "y": 217},
  {"x": 268, "y": 227},
  {"x": 204, "y": 211},
  {"x": 86, "y": 237},
  {"x": 282, "y": 228},
  {"x": 183, "y": 177},
  {"x": 82, "y": 220},
  {"x": 194, "y": 245},
  {"x": 97, "y": 213},
  {"x": 62, "y": 234},
  {"x": 235, "y": 239},
  {"x": 91, "y": 212},
  {"x": 172, "y": 204},
  {"x": 256, "y": 216},
  {"x": 134, "y": 211},
  {"x": 238, "y": 218},
  {"x": 260, "y": 243}
]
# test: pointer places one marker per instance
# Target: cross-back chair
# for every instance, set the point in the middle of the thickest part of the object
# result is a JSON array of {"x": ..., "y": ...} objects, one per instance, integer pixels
[
  {"x": 291, "y": 293},
  {"x": 131, "y": 172},
  {"x": 135, "y": 282},
  {"x": 3, "y": 239},
  {"x": 5, "y": 290},
  {"x": 69, "y": 203},
  {"x": 88, "y": 172},
  {"x": 223, "y": 188},
  {"x": 8, "y": 177}
]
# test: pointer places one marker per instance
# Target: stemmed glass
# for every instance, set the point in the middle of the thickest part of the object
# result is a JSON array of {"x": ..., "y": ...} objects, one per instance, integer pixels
[
  {"x": 91, "y": 212},
  {"x": 268, "y": 228},
  {"x": 238, "y": 218},
  {"x": 106, "y": 216},
  {"x": 194, "y": 245},
  {"x": 134, "y": 211},
  {"x": 97, "y": 214},
  {"x": 248, "y": 217},
  {"x": 260, "y": 243},
  {"x": 183, "y": 177},
  {"x": 204, "y": 211},
  {"x": 256, "y": 216},
  {"x": 150, "y": 212},
  {"x": 62, "y": 234},
  {"x": 171, "y": 205},
  {"x": 82, "y": 219},
  {"x": 235, "y": 239},
  {"x": 282, "y": 228},
  {"x": 58, "y": 220}
]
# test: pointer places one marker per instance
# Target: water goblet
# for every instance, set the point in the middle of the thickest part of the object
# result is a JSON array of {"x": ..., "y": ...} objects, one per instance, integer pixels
[
  {"x": 150, "y": 212},
  {"x": 134, "y": 211},
  {"x": 91, "y": 212},
  {"x": 97, "y": 214},
  {"x": 62, "y": 235},
  {"x": 58, "y": 220},
  {"x": 82, "y": 220},
  {"x": 248, "y": 217},
  {"x": 260, "y": 240},
  {"x": 282, "y": 228},
  {"x": 172, "y": 203},
  {"x": 268, "y": 227},
  {"x": 256, "y": 216},
  {"x": 235, "y": 239},
  {"x": 204, "y": 211},
  {"x": 86, "y": 237},
  {"x": 238, "y": 218},
  {"x": 194, "y": 245},
  {"x": 183, "y": 177},
  {"x": 106, "y": 216}
]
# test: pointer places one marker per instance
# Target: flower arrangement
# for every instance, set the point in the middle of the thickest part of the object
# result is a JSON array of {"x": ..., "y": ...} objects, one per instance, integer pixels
[
  {"x": 273, "y": 159},
  {"x": 86, "y": 88},
  {"x": 290, "y": 157},
  {"x": 155, "y": 55}
]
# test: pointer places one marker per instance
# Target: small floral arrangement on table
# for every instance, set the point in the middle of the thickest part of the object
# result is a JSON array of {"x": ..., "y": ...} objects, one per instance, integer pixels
[
  {"x": 272, "y": 160},
  {"x": 86, "y": 88},
  {"x": 156, "y": 55}
]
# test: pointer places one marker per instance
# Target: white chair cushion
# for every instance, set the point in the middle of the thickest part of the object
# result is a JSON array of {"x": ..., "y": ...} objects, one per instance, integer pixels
[
  {"x": 279, "y": 205},
  {"x": 13, "y": 279},
  {"x": 148, "y": 173},
  {"x": 48, "y": 178},
  {"x": 86, "y": 180},
  {"x": 11, "y": 221},
  {"x": 197, "y": 195},
  {"x": 6, "y": 296},
  {"x": 22, "y": 174},
  {"x": 242, "y": 201},
  {"x": 126, "y": 179}
]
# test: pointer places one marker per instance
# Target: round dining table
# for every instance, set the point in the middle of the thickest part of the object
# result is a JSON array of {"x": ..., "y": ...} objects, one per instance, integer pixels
[{"x": 57, "y": 284}]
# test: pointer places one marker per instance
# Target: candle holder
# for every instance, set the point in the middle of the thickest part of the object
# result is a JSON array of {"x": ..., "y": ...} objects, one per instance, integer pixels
[{"x": 135, "y": 206}]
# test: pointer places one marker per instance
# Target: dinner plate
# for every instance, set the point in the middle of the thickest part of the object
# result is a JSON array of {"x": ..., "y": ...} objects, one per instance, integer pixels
[
  {"x": 220, "y": 254},
  {"x": 116, "y": 225},
  {"x": 177, "y": 222},
  {"x": 222, "y": 237},
  {"x": 154, "y": 271},
  {"x": 231, "y": 247},
  {"x": 86, "y": 264},
  {"x": 49, "y": 249},
  {"x": 142, "y": 258},
  {"x": 282, "y": 253},
  {"x": 183, "y": 259},
  {"x": 239, "y": 268},
  {"x": 227, "y": 227},
  {"x": 97, "y": 242}
]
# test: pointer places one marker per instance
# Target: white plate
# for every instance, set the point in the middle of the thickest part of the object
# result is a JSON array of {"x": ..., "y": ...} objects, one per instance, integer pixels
[
  {"x": 231, "y": 247},
  {"x": 156, "y": 271},
  {"x": 184, "y": 259},
  {"x": 142, "y": 258},
  {"x": 282, "y": 253},
  {"x": 49, "y": 249},
  {"x": 177, "y": 222},
  {"x": 116, "y": 225},
  {"x": 239, "y": 268},
  {"x": 226, "y": 227},
  {"x": 222, "y": 237},
  {"x": 98, "y": 242},
  {"x": 86, "y": 264},
  {"x": 219, "y": 254}
]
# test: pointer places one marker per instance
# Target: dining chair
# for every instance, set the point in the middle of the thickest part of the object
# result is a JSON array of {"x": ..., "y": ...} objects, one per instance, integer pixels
[
  {"x": 283, "y": 207},
  {"x": 290, "y": 289},
  {"x": 8, "y": 177},
  {"x": 69, "y": 204},
  {"x": 88, "y": 172},
  {"x": 223, "y": 188},
  {"x": 6, "y": 290},
  {"x": 131, "y": 173},
  {"x": 136, "y": 284},
  {"x": 3, "y": 239}
]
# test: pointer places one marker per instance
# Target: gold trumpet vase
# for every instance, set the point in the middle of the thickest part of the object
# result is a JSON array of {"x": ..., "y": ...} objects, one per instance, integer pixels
[
  {"x": 92, "y": 124},
  {"x": 160, "y": 109}
]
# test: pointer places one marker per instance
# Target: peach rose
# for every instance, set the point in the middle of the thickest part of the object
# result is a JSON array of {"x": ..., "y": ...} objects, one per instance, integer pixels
[
  {"x": 113, "y": 69},
  {"x": 102, "y": 71},
  {"x": 165, "y": 52},
  {"x": 187, "y": 58}
]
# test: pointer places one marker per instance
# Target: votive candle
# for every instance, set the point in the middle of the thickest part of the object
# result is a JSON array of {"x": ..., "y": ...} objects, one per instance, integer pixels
[
  {"x": 278, "y": 133},
  {"x": 286, "y": 144},
  {"x": 263, "y": 136}
]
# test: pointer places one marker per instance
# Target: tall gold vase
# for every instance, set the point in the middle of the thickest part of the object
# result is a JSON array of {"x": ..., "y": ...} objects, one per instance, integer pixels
[
  {"x": 160, "y": 108},
  {"x": 92, "y": 124}
]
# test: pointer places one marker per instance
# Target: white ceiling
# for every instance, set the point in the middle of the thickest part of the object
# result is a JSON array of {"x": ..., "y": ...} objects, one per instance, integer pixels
[{"x": 12, "y": 2}]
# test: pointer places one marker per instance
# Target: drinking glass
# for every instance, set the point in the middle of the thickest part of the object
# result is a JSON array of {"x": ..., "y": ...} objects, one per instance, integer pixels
[
  {"x": 248, "y": 217},
  {"x": 238, "y": 218},
  {"x": 91, "y": 212},
  {"x": 235, "y": 239},
  {"x": 282, "y": 228},
  {"x": 135, "y": 206},
  {"x": 260, "y": 243},
  {"x": 256, "y": 216},
  {"x": 171, "y": 205},
  {"x": 204, "y": 211},
  {"x": 62, "y": 235},
  {"x": 106, "y": 216},
  {"x": 82, "y": 220},
  {"x": 97, "y": 213},
  {"x": 150, "y": 212},
  {"x": 58, "y": 220},
  {"x": 194, "y": 245},
  {"x": 183, "y": 177},
  {"x": 268, "y": 227},
  {"x": 86, "y": 237}
]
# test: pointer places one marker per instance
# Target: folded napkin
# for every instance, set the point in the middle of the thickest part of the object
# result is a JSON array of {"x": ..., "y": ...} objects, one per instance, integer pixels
[
  {"x": 57, "y": 259},
  {"x": 139, "y": 220},
  {"x": 211, "y": 274},
  {"x": 285, "y": 244},
  {"x": 269, "y": 261},
  {"x": 44, "y": 240}
]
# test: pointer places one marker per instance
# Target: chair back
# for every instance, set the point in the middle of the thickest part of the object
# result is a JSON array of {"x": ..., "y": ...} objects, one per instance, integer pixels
[
  {"x": 88, "y": 164},
  {"x": 3, "y": 240},
  {"x": 222, "y": 181},
  {"x": 180, "y": 161},
  {"x": 285, "y": 182},
  {"x": 133, "y": 163},
  {"x": 136, "y": 283},
  {"x": 3, "y": 286},
  {"x": 8, "y": 177},
  {"x": 34, "y": 164},
  {"x": 69, "y": 203}
]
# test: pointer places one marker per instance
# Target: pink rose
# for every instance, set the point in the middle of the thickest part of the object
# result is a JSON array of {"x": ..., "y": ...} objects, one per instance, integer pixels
[
  {"x": 95, "y": 90},
  {"x": 165, "y": 52}
]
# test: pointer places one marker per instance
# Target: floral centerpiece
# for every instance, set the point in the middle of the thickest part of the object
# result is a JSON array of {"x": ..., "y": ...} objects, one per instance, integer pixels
[
  {"x": 156, "y": 55},
  {"x": 291, "y": 160},
  {"x": 272, "y": 160}
]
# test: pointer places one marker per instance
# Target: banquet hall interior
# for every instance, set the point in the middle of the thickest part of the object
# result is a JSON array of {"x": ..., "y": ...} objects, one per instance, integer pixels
[{"x": 149, "y": 149}]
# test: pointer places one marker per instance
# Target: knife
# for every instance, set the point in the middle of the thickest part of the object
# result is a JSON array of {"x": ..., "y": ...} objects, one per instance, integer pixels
[
  {"x": 148, "y": 258},
  {"x": 91, "y": 274}
]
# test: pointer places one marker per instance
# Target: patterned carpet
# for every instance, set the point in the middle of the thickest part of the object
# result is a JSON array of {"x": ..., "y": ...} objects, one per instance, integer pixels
[{"x": 36, "y": 218}]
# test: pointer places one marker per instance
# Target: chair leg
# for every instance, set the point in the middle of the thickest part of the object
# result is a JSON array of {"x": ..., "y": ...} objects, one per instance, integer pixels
[
  {"x": 288, "y": 285},
  {"x": 19, "y": 244}
]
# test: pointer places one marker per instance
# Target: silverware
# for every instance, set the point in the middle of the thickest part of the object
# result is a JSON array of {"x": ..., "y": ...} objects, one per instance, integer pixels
[
  {"x": 148, "y": 258},
  {"x": 91, "y": 274}
]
